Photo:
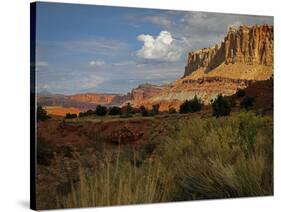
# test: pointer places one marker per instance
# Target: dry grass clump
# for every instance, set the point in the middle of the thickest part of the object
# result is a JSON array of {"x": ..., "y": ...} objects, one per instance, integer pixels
[
  {"x": 117, "y": 183},
  {"x": 219, "y": 158}
]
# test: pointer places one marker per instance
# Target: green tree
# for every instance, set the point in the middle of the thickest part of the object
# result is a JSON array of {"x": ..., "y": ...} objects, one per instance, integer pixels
[
  {"x": 191, "y": 106},
  {"x": 155, "y": 109},
  {"x": 240, "y": 93},
  {"x": 87, "y": 113},
  {"x": 114, "y": 110},
  {"x": 101, "y": 110},
  {"x": 247, "y": 102},
  {"x": 221, "y": 106},
  {"x": 70, "y": 116},
  {"x": 144, "y": 111},
  {"x": 128, "y": 110},
  {"x": 42, "y": 114}
]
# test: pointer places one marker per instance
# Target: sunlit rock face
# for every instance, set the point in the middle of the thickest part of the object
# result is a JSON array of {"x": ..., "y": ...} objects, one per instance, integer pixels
[{"x": 246, "y": 45}]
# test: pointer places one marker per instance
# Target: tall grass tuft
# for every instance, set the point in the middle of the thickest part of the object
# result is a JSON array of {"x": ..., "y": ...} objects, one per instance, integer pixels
[{"x": 117, "y": 183}]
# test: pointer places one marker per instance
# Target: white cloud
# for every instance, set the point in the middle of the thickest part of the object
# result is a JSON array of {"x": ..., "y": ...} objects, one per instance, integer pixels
[
  {"x": 163, "y": 47},
  {"x": 97, "y": 63}
]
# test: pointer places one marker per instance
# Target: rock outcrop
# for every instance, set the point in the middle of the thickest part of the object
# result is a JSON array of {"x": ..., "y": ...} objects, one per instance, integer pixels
[
  {"x": 145, "y": 91},
  {"x": 96, "y": 98},
  {"x": 246, "y": 45}
]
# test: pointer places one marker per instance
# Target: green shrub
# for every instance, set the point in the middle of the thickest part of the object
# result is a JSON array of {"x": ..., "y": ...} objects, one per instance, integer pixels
[
  {"x": 240, "y": 93},
  {"x": 42, "y": 114},
  {"x": 191, "y": 106},
  {"x": 155, "y": 109},
  {"x": 172, "y": 110},
  {"x": 70, "y": 115},
  {"x": 101, "y": 110},
  {"x": 114, "y": 110},
  {"x": 247, "y": 102},
  {"x": 221, "y": 106},
  {"x": 232, "y": 102},
  {"x": 87, "y": 113},
  {"x": 144, "y": 111},
  {"x": 44, "y": 152},
  {"x": 127, "y": 111}
]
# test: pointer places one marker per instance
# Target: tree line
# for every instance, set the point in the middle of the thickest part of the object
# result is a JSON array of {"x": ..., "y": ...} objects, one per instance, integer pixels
[{"x": 221, "y": 106}]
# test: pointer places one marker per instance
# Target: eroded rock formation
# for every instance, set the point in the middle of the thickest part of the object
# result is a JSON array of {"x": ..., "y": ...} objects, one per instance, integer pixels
[
  {"x": 247, "y": 45},
  {"x": 145, "y": 91},
  {"x": 104, "y": 99}
]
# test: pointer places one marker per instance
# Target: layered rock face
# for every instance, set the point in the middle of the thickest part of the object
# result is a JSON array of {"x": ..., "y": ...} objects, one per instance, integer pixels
[
  {"x": 93, "y": 98},
  {"x": 104, "y": 99},
  {"x": 246, "y": 45},
  {"x": 82, "y": 101},
  {"x": 145, "y": 91}
]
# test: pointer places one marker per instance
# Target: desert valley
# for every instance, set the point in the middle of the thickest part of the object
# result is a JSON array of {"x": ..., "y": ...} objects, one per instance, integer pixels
[{"x": 208, "y": 134}]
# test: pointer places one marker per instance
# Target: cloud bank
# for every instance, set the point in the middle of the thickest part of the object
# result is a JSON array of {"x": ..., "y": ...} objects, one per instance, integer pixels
[{"x": 162, "y": 48}]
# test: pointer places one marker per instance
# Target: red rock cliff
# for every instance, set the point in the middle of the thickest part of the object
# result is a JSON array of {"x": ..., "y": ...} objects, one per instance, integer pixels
[{"x": 246, "y": 45}]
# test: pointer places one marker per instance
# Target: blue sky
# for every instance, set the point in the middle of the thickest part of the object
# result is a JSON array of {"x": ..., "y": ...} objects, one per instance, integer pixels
[{"x": 87, "y": 48}]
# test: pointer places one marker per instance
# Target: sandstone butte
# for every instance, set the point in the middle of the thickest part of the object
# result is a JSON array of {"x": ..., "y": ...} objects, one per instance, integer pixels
[{"x": 243, "y": 57}]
